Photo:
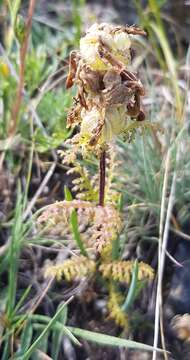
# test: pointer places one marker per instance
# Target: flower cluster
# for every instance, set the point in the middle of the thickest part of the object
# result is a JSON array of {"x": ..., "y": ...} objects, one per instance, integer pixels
[{"x": 109, "y": 93}]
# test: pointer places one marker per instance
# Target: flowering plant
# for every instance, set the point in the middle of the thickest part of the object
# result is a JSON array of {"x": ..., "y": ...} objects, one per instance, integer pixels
[{"x": 106, "y": 104}]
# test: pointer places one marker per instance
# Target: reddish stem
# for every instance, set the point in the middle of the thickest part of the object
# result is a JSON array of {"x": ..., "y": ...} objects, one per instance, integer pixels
[
  {"x": 23, "y": 52},
  {"x": 102, "y": 178}
]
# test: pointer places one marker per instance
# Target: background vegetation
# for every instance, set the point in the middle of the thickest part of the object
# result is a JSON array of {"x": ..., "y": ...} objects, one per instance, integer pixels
[{"x": 151, "y": 173}]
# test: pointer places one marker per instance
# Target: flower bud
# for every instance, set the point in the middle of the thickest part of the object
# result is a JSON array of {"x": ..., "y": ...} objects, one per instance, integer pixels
[{"x": 20, "y": 28}]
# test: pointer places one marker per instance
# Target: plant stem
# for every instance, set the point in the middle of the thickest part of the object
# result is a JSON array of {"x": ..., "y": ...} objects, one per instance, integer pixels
[
  {"x": 23, "y": 52},
  {"x": 102, "y": 178}
]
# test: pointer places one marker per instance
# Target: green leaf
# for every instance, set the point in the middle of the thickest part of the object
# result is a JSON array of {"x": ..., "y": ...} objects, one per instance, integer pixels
[
  {"x": 26, "y": 338},
  {"x": 20, "y": 29},
  {"x": 108, "y": 340},
  {"x": 171, "y": 64},
  {"x": 121, "y": 203},
  {"x": 23, "y": 297},
  {"x": 42, "y": 347},
  {"x": 35, "y": 344},
  {"x": 76, "y": 233},
  {"x": 58, "y": 334},
  {"x": 74, "y": 224},
  {"x": 44, "y": 142},
  {"x": 68, "y": 195},
  {"x": 17, "y": 236},
  {"x": 58, "y": 326},
  {"x": 132, "y": 289},
  {"x": 115, "y": 248}
]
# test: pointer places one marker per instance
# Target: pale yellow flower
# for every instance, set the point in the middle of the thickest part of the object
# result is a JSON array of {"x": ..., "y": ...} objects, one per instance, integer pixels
[
  {"x": 89, "y": 122},
  {"x": 119, "y": 44},
  {"x": 115, "y": 122},
  {"x": 4, "y": 69}
]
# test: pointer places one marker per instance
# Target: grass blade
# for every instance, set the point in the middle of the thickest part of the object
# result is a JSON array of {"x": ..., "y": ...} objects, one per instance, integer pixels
[
  {"x": 76, "y": 233},
  {"x": 132, "y": 289},
  {"x": 57, "y": 326},
  {"x": 57, "y": 335},
  {"x": 16, "y": 239},
  {"x": 33, "y": 347},
  {"x": 108, "y": 340},
  {"x": 74, "y": 224},
  {"x": 23, "y": 297}
]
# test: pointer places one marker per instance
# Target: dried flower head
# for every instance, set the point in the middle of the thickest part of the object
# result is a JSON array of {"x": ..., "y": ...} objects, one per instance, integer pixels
[
  {"x": 109, "y": 93},
  {"x": 118, "y": 42},
  {"x": 181, "y": 326}
]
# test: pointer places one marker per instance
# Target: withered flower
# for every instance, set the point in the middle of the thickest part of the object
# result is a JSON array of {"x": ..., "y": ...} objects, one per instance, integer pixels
[
  {"x": 109, "y": 93},
  {"x": 100, "y": 37}
]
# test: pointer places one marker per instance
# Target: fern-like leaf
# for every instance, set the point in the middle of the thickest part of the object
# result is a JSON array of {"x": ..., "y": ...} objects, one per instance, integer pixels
[
  {"x": 98, "y": 225},
  {"x": 76, "y": 268},
  {"x": 114, "y": 307},
  {"x": 122, "y": 270}
]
